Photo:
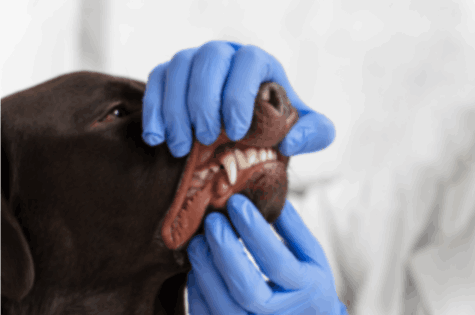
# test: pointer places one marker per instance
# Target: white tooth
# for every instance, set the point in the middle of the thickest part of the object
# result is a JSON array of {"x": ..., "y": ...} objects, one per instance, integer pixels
[
  {"x": 202, "y": 174},
  {"x": 191, "y": 192},
  {"x": 252, "y": 156},
  {"x": 269, "y": 155},
  {"x": 229, "y": 163},
  {"x": 262, "y": 155},
  {"x": 241, "y": 160}
]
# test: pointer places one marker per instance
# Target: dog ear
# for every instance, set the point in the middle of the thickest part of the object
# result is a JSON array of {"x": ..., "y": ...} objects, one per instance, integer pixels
[{"x": 18, "y": 271}]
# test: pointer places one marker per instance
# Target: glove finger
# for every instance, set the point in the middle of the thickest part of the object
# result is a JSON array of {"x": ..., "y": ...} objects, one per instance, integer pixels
[
  {"x": 244, "y": 282},
  {"x": 196, "y": 302},
  {"x": 248, "y": 70},
  {"x": 175, "y": 113},
  {"x": 251, "y": 67},
  {"x": 271, "y": 255},
  {"x": 298, "y": 237},
  {"x": 312, "y": 132},
  {"x": 210, "y": 69},
  {"x": 152, "y": 118},
  {"x": 208, "y": 280}
]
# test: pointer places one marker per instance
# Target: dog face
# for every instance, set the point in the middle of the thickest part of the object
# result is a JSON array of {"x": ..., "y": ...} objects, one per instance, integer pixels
[{"x": 85, "y": 201}]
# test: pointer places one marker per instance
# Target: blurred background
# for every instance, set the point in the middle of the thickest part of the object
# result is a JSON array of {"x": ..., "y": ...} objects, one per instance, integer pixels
[{"x": 392, "y": 200}]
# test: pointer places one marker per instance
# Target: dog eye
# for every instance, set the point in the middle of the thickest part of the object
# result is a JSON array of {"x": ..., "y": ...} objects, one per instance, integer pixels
[{"x": 119, "y": 111}]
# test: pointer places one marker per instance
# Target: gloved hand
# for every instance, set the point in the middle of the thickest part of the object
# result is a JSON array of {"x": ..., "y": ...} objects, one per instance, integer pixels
[
  {"x": 224, "y": 281},
  {"x": 200, "y": 87}
]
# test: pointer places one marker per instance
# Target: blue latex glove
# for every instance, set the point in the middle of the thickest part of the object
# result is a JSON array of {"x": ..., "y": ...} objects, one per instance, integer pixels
[
  {"x": 224, "y": 281},
  {"x": 200, "y": 87}
]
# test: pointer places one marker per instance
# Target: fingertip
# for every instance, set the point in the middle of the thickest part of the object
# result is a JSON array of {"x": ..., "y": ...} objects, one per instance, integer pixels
[
  {"x": 243, "y": 213},
  {"x": 236, "y": 133},
  {"x": 208, "y": 137},
  {"x": 236, "y": 202},
  {"x": 179, "y": 150},
  {"x": 313, "y": 132},
  {"x": 213, "y": 219},
  {"x": 152, "y": 119},
  {"x": 152, "y": 139},
  {"x": 217, "y": 229},
  {"x": 290, "y": 145}
]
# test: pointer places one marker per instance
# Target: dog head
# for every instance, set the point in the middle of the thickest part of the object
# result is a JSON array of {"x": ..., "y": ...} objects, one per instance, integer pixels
[{"x": 88, "y": 208}]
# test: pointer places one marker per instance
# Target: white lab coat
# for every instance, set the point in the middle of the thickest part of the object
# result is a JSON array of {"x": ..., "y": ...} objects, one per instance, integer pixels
[{"x": 401, "y": 236}]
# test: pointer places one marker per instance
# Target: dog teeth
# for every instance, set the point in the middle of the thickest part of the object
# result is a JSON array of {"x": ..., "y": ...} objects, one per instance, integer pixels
[
  {"x": 237, "y": 160},
  {"x": 229, "y": 163},
  {"x": 196, "y": 182},
  {"x": 201, "y": 174},
  {"x": 241, "y": 160},
  {"x": 191, "y": 191},
  {"x": 262, "y": 155},
  {"x": 252, "y": 156},
  {"x": 270, "y": 155}
]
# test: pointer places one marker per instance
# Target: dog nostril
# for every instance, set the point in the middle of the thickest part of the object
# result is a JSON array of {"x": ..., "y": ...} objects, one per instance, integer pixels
[
  {"x": 275, "y": 95},
  {"x": 274, "y": 99}
]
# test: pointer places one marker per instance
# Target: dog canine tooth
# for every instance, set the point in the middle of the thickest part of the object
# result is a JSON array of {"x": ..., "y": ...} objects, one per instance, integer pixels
[
  {"x": 229, "y": 163},
  {"x": 252, "y": 156},
  {"x": 262, "y": 155},
  {"x": 241, "y": 160}
]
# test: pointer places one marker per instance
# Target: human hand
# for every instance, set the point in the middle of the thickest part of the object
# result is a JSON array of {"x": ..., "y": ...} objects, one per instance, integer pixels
[
  {"x": 218, "y": 81},
  {"x": 224, "y": 281}
]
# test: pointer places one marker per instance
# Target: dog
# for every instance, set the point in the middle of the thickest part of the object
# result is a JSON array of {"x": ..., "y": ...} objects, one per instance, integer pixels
[{"x": 95, "y": 221}]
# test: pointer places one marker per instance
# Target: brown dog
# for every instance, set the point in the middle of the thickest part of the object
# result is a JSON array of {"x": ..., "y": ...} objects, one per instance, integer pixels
[{"x": 94, "y": 221}]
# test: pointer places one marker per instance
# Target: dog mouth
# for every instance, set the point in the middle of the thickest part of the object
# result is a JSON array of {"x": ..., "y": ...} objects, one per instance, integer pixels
[
  {"x": 232, "y": 171},
  {"x": 252, "y": 166}
]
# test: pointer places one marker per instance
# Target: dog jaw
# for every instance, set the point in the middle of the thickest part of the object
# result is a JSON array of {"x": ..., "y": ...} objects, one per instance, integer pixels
[{"x": 252, "y": 166}]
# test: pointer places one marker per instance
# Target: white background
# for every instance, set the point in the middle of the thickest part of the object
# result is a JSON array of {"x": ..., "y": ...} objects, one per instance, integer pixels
[{"x": 391, "y": 198}]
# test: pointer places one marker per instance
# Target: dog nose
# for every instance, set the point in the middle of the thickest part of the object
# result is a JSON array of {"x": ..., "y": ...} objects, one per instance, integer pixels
[
  {"x": 273, "y": 117},
  {"x": 275, "y": 95}
]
